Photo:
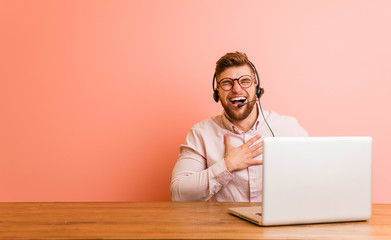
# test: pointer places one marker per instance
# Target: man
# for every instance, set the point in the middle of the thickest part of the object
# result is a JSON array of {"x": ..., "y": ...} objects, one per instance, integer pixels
[{"x": 221, "y": 159}]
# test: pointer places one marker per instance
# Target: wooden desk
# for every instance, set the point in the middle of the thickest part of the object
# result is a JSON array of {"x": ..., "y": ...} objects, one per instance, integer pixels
[{"x": 162, "y": 220}]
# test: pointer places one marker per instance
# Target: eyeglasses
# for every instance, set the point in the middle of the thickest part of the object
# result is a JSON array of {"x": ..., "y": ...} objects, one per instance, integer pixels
[{"x": 244, "y": 81}]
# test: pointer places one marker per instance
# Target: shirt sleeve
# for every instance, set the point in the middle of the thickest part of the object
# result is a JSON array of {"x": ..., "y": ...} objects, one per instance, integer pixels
[{"x": 192, "y": 179}]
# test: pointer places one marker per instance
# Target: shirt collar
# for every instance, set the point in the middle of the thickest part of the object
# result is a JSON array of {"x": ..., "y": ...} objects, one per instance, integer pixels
[{"x": 231, "y": 127}]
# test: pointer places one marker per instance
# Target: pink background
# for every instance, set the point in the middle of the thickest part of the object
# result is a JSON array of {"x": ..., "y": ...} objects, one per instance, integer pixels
[{"x": 97, "y": 96}]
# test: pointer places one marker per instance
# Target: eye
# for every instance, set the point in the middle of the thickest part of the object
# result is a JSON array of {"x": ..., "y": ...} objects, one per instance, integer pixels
[
  {"x": 226, "y": 83},
  {"x": 245, "y": 81}
]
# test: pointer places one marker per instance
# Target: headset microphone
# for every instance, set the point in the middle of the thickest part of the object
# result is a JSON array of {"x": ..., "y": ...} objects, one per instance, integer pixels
[{"x": 242, "y": 104}]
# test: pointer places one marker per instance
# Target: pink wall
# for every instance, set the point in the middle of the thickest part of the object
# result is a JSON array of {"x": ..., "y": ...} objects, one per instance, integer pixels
[{"x": 96, "y": 96}]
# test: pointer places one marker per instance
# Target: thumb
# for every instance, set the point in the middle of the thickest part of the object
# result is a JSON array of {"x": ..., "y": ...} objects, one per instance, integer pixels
[{"x": 227, "y": 141}]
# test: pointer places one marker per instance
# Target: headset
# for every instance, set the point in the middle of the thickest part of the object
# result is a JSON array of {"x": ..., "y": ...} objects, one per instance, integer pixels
[{"x": 259, "y": 92}]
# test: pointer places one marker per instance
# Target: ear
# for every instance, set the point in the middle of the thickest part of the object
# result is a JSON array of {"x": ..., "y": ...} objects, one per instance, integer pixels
[{"x": 216, "y": 96}]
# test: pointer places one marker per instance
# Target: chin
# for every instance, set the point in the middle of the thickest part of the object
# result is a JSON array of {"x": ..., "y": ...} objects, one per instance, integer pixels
[{"x": 238, "y": 116}]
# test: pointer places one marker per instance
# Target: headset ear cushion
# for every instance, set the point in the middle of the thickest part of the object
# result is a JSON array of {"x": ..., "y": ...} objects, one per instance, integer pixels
[
  {"x": 260, "y": 92},
  {"x": 216, "y": 95}
]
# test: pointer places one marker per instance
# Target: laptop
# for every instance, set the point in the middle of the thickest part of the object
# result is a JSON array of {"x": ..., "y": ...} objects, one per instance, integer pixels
[{"x": 313, "y": 180}]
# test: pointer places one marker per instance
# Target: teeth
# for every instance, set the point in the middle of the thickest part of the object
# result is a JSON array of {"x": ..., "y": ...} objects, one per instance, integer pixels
[{"x": 238, "y": 99}]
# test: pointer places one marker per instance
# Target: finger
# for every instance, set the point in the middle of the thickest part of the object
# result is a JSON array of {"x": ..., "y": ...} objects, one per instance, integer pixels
[
  {"x": 256, "y": 146},
  {"x": 252, "y": 140},
  {"x": 227, "y": 141},
  {"x": 256, "y": 162},
  {"x": 257, "y": 153}
]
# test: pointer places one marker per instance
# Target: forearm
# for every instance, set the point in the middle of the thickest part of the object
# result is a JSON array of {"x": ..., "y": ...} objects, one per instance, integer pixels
[
  {"x": 199, "y": 185},
  {"x": 192, "y": 187}
]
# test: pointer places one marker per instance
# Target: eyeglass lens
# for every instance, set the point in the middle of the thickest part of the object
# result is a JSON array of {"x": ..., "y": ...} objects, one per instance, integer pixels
[{"x": 244, "y": 81}]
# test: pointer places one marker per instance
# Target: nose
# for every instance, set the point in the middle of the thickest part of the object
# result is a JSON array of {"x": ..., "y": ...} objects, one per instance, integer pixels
[{"x": 236, "y": 87}]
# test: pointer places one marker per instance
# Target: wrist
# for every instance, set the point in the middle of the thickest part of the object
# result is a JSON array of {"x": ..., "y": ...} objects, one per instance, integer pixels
[{"x": 228, "y": 166}]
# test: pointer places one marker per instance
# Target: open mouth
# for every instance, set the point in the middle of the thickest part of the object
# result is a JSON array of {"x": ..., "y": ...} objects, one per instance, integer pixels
[{"x": 235, "y": 101}]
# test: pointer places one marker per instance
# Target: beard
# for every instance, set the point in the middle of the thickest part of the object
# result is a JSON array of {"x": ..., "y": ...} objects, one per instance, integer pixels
[{"x": 238, "y": 117}]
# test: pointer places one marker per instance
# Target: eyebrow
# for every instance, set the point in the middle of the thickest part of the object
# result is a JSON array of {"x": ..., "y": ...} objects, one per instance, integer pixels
[{"x": 237, "y": 77}]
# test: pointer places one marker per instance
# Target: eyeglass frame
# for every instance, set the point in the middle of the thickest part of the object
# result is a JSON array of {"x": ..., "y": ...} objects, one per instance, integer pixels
[{"x": 236, "y": 79}]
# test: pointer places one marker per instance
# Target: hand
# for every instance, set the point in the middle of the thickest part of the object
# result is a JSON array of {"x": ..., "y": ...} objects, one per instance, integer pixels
[{"x": 238, "y": 158}]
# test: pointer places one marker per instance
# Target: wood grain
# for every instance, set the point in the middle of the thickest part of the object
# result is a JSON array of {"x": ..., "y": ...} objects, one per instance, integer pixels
[{"x": 167, "y": 220}]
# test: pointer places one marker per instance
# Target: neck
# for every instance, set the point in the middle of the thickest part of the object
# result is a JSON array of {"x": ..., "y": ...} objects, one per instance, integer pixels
[{"x": 246, "y": 124}]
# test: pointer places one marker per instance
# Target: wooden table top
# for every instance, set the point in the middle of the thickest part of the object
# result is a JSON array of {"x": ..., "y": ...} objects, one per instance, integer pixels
[{"x": 167, "y": 220}]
